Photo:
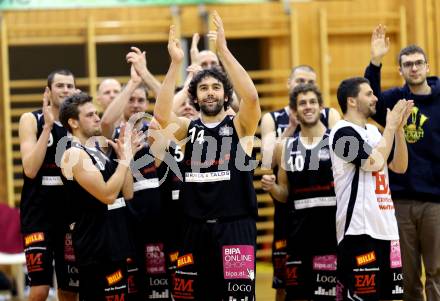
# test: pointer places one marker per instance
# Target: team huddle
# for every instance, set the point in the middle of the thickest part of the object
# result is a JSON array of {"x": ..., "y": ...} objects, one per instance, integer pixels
[{"x": 136, "y": 207}]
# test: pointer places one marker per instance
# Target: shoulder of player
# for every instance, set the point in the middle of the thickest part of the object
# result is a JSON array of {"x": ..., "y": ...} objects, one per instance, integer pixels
[
  {"x": 27, "y": 123},
  {"x": 267, "y": 122}
]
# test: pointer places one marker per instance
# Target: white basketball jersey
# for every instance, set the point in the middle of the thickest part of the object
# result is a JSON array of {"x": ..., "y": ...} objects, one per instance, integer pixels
[{"x": 363, "y": 198}]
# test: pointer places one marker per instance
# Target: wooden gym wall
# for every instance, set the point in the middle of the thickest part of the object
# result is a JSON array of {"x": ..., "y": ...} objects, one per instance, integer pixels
[{"x": 331, "y": 36}]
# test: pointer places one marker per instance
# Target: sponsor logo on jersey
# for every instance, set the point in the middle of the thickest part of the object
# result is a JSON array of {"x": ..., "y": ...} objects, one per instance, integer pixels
[
  {"x": 365, "y": 284},
  {"x": 366, "y": 258},
  {"x": 155, "y": 258},
  {"x": 183, "y": 288},
  {"x": 73, "y": 282},
  {"x": 158, "y": 282},
  {"x": 225, "y": 131},
  {"x": 114, "y": 278},
  {"x": 324, "y": 263},
  {"x": 398, "y": 290},
  {"x": 164, "y": 295},
  {"x": 33, "y": 238},
  {"x": 69, "y": 254},
  {"x": 199, "y": 177},
  {"x": 234, "y": 287},
  {"x": 185, "y": 260},
  {"x": 323, "y": 292},
  {"x": 174, "y": 256},
  {"x": 325, "y": 279},
  {"x": 292, "y": 275},
  {"x": 397, "y": 276},
  {"x": 280, "y": 244},
  {"x": 238, "y": 262},
  {"x": 118, "y": 297},
  {"x": 34, "y": 262},
  {"x": 324, "y": 154},
  {"x": 395, "y": 256}
]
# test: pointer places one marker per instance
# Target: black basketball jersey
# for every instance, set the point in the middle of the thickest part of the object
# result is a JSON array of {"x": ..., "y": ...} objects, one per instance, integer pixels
[
  {"x": 41, "y": 205},
  {"x": 100, "y": 231},
  {"x": 171, "y": 203},
  {"x": 171, "y": 183},
  {"x": 311, "y": 196},
  {"x": 217, "y": 173},
  {"x": 281, "y": 120},
  {"x": 146, "y": 204}
]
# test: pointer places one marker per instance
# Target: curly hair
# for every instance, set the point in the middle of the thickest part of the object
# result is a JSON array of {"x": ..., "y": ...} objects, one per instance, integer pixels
[
  {"x": 218, "y": 75},
  {"x": 303, "y": 89}
]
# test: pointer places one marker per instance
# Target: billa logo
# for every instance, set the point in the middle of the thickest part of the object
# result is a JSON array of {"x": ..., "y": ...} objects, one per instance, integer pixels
[
  {"x": 366, "y": 258},
  {"x": 185, "y": 260},
  {"x": 33, "y": 238},
  {"x": 280, "y": 244},
  {"x": 174, "y": 256},
  {"x": 114, "y": 278}
]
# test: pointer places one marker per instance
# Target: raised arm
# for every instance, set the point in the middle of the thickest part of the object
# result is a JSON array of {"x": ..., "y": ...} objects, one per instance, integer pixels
[
  {"x": 33, "y": 150},
  {"x": 181, "y": 96},
  {"x": 249, "y": 112},
  {"x": 139, "y": 61},
  {"x": 194, "y": 50},
  {"x": 163, "y": 109},
  {"x": 115, "y": 110},
  {"x": 380, "y": 45}
]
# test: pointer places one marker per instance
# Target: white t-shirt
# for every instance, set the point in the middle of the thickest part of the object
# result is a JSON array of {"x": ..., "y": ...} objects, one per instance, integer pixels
[{"x": 363, "y": 198}]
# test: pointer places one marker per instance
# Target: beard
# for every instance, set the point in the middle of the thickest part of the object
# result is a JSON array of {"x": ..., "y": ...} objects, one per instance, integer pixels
[
  {"x": 209, "y": 110},
  {"x": 308, "y": 123},
  {"x": 372, "y": 111},
  {"x": 367, "y": 111},
  {"x": 93, "y": 132}
]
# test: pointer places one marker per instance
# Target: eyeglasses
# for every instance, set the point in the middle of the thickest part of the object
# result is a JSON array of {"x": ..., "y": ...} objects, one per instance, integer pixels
[{"x": 410, "y": 65}]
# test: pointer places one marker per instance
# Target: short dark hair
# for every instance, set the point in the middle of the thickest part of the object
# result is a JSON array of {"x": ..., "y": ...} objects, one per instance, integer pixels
[
  {"x": 302, "y": 89},
  {"x": 51, "y": 76},
  {"x": 349, "y": 87},
  {"x": 215, "y": 73},
  {"x": 411, "y": 49},
  {"x": 69, "y": 108},
  {"x": 302, "y": 67}
]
